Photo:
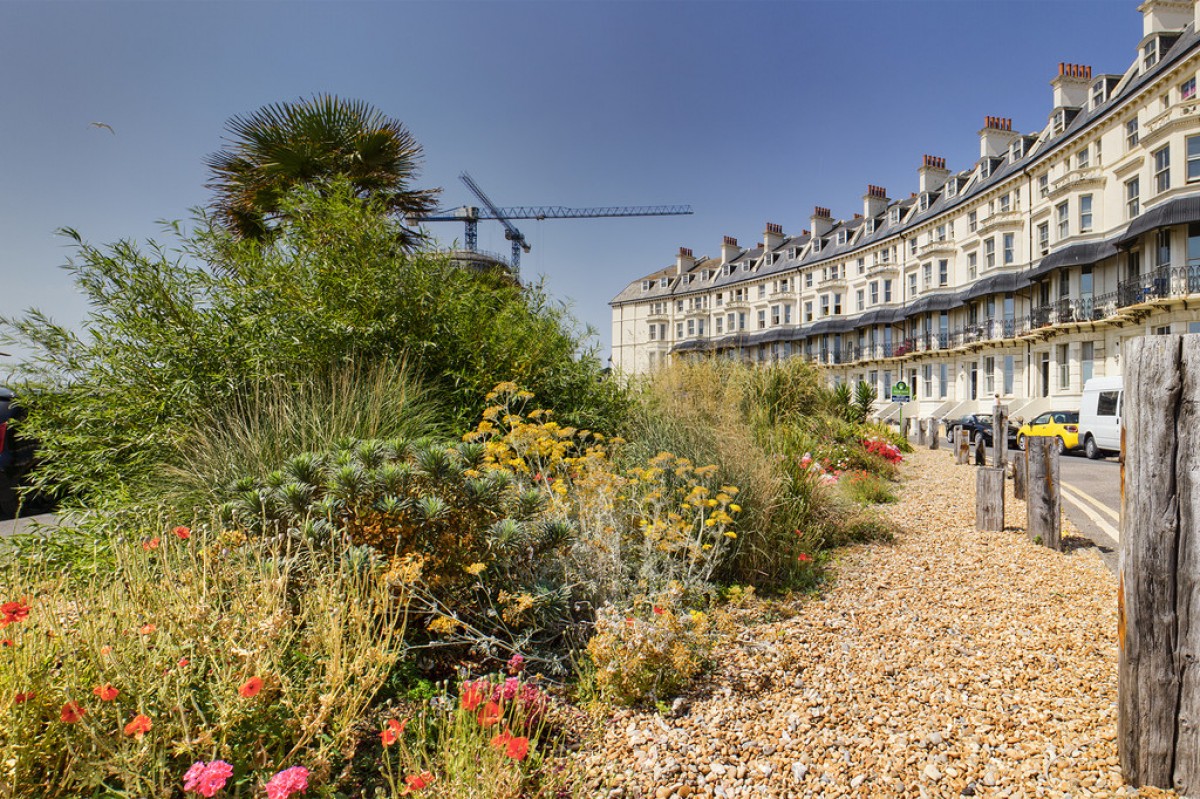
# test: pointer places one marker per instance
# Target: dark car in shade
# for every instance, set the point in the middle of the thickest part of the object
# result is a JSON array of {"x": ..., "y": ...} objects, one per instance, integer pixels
[{"x": 975, "y": 424}]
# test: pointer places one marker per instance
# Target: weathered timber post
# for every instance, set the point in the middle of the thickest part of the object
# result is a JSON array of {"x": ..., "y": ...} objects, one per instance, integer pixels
[
  {"x": 933, "y": 433},
  {"x": 1043, "y": 500},
  {"x": 989, "y": 499},
  {"x": 962, "y": 446},
  {"x": 920, "y": 432},
  {"x": 999, "y": 434},
  {"x": 955, "y": 435},
  {"x": 980, "y": 450},
  {"x": 1018, "y": 463},
  {"x": 1158, "y": 610},
  {"x": 904, "y": 428}
]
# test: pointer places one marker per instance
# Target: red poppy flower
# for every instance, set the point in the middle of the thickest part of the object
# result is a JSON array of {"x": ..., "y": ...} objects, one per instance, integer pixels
[
  {"x": 251, "y": 687},
  {"x": 517, "y": 748},
  {"x": 472, "y": 695},
  {"x": 183, "y": 533},
  {"x": 392, "y": 731},
  {"x": 147, "y": 629},
  {"x": 658, "y": 611},
  {"x": 489, "y": 715},
  {"x": 151, "y": 543},
  {"x": 139, "y": 726},
  {"x": 418, "y": 782},
  {"x": 22, "y": 698},
  {"x": 6, "y": 642},
  {"x": 72, "y": 712},
  {"x": 106, "y": 650},
  {"x": 183, "y": 662},
  {"x": 804, "y": 557},
  {"x": 13, "y": 612},
  {"x": 106, "y": 692}
]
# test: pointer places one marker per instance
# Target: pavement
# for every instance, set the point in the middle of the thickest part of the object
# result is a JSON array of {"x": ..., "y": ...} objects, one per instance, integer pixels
[{"x": 25, "y": 525}]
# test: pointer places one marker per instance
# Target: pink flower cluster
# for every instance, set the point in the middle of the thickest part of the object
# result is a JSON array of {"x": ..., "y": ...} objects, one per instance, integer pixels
[
  {"x": 207, "y": 779},
  {"x": 287, "y": 782}
]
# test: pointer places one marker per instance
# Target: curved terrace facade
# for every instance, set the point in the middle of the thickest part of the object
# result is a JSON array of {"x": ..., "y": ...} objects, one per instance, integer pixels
[{"x": 1019, "y": 277}]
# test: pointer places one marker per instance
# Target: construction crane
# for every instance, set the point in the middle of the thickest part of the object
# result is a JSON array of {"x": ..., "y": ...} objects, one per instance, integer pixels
[{"x": 471, "y": 215}]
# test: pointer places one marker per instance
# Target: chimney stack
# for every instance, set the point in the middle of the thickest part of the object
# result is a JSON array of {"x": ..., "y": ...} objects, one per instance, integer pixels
[
  {"x": 822, "y": 221},
  {"x": 684, "y": 261},
  {"x": 772, "y": 237},
  {"x": 933, "y": 173},
  {"x": 875, "y": 201},
  {"x": 1071, "y": 86},
  {"x": 996, "y": 136},
  {"x": 729, "y": 249}
]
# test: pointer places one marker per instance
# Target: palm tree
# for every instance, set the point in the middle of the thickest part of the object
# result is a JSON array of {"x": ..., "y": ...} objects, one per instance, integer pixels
[{"x": 285, "y": 145}]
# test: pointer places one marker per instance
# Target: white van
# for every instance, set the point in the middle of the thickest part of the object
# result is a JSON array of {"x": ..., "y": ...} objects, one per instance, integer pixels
[{"x": 1100, "y": 416}]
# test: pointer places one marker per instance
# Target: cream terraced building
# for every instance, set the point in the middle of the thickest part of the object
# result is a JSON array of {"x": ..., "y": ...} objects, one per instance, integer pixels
[{"x": 1021, "y": 277}]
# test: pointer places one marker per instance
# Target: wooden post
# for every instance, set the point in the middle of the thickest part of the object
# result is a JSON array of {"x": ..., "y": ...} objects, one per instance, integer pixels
[
  {"x": 1158, "y": 610},
  {"x": 962, "y": 446},
  {"x": 1043, "y": 501},
  {"x": 980, "y": 450},
  {"x": 999, "y": 434},
  {"x": 904, "y": 428},
  {"x": 933, "y": 434},
  {"x": 920, "y": 432},
  {"x": 1018, "y": 463},
  {"x": 989, "y": 499}
]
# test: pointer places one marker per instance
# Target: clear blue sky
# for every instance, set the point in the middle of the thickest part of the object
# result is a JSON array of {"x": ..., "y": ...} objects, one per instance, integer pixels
[{"x": 749, "y": 111}]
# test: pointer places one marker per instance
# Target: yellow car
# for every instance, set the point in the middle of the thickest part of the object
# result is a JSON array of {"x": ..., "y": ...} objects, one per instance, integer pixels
[{"x": 1063, "y": 425}]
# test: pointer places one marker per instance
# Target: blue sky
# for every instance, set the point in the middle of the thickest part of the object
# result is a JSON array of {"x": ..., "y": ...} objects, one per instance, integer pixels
[{"x": 749, "y": 111}]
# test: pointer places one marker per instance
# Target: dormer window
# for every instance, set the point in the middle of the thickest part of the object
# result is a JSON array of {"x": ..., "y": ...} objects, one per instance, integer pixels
[
  {"x": 727, "y": 269},
  {"x": 705, "y": 274},
  {"x": 952, "y": 187},
  {"x": 1017, "y": 150},
  {"x": 1060, "y": 120},
  {"x": 871, "y": 225},
  {"x": 663, "y": 282},
  {"x": 841, "y": 237},
  {"x": 923, "y": 201},
  {"x": 645, "y": 285},
  {"x": 1149, "y": 54},
  {"x": 1099, "y": 93},
  {"x": 745, "y": 267},
  {"x": 816, "y": 245},
  {"x": 985, "y": 168},
  {"x": 894, "y": 216}
]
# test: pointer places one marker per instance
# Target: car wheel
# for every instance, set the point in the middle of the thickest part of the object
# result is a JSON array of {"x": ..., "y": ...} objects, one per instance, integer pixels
[
  {"x": 950, "y": 435},
  {"x": 1021, "y": 442},
  {"x": 1062, "y": 446},
  {"x": 1091, "y": 450}
]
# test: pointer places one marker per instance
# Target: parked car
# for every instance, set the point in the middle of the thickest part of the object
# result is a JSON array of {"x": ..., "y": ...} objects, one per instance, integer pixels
[
  {"x": 1063, "y": 425},
  {"x": 1100, "y": 415},
  {"x": 976, "y": 423}
]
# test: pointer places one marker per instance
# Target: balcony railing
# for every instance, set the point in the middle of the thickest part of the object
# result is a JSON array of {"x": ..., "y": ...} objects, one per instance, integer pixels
[{"x": 1163, "y": 283}]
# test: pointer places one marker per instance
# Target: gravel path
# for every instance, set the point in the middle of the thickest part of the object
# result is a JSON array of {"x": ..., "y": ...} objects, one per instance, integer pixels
[{"x": 948, "y": 663}]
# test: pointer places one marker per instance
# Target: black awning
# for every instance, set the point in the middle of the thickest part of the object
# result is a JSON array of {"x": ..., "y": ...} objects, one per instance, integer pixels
[
  {"x": 1175, "y": 212},
  {"x": 996, "y": 284},
  {"x": 933, "y": 302},
  {"x": 1091, "y": 252}
]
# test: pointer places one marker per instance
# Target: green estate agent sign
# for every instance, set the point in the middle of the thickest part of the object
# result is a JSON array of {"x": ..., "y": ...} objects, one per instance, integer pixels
[{"x": 901, "y": 392}]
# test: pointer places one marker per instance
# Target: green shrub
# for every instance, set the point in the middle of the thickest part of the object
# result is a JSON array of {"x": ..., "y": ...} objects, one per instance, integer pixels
[{"x": 178, "y": 334}]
